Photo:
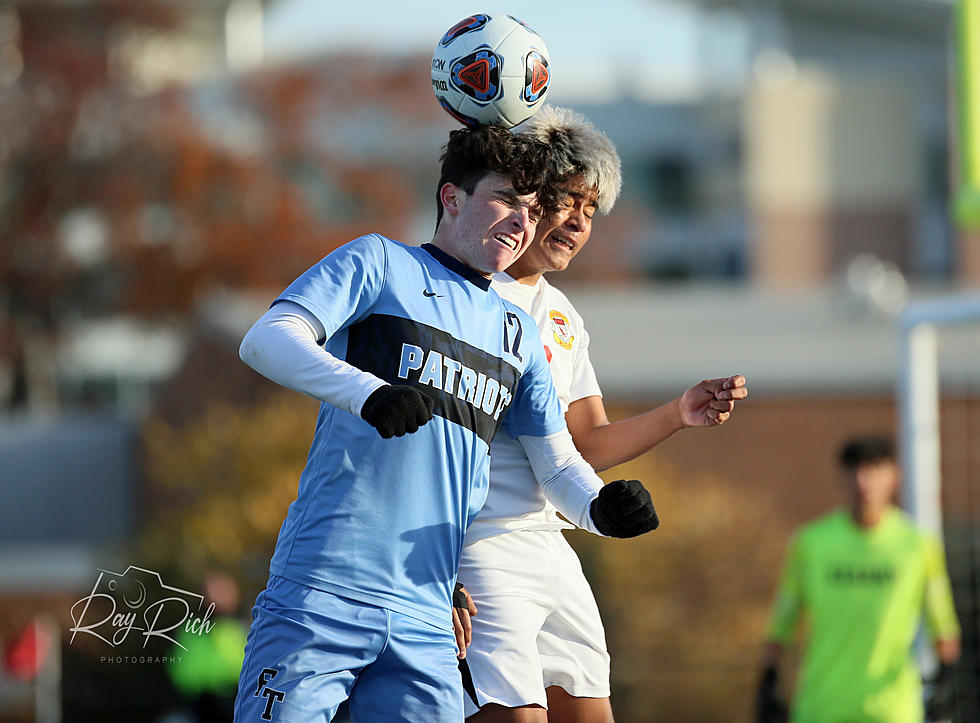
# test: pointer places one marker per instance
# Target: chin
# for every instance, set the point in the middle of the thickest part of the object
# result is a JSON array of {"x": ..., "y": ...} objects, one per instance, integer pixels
[{"x": 498, "y": 266}]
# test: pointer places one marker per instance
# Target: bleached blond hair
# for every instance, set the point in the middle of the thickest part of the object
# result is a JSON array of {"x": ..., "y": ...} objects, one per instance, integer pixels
[{"x": 580, "y": 149}]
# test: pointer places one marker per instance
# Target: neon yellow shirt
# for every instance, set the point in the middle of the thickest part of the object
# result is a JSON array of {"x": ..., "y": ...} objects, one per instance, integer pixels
[
  {"x": 861, "y": 593},
  {"x": 211, "y": 662}
]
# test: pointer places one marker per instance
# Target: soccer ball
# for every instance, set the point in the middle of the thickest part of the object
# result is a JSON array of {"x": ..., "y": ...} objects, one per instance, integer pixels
[{"x": 490, "y": 69}]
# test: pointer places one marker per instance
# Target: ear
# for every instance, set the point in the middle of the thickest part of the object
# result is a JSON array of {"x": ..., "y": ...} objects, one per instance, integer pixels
[{"x": 451, "y": 197}]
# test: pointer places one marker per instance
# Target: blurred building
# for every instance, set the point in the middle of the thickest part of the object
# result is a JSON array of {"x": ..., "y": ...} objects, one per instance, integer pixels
[
  {"x": 147, "y": 44},
  {"x": 845, "y": 131}
]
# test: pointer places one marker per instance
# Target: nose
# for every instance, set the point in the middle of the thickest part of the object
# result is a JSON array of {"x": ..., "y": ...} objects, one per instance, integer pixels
[
  {"x": 522, "y": 219},
  {"x": 576, "y": 219}
]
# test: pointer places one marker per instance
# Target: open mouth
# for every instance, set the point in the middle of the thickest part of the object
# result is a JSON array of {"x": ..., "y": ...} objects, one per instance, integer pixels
[
  {"x": 564, "y": 243},
  {"x": 507, "y": 241}
]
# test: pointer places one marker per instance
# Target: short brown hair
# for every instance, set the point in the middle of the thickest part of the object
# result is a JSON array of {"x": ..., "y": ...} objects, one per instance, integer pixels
[{"x": 472, "y": 153}]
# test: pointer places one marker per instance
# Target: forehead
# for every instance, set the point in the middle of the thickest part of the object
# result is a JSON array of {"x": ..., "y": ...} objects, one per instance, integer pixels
[
  {"x": 878, "y": 466},
  {"x": 495, "y": 182},
  {"x": 577, "y": 187}
]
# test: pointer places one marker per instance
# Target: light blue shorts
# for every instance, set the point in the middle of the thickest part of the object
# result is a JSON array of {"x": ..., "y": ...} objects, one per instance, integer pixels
[{"x": 309, "y": 650}]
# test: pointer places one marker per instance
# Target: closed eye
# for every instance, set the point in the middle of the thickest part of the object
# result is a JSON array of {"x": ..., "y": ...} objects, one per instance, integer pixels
[{"x": 534, "y": 212}]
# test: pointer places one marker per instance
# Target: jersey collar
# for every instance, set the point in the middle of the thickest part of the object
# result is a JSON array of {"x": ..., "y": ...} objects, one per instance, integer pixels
[
  {"x": 471, "y": 275},
  {"x": 521, "y": 294},
  {"x": 888, "y": 518}
]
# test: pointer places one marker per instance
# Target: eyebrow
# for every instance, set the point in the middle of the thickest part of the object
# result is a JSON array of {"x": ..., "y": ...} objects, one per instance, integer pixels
[
  {"x": 581, "y": 194},
  {"x": 512, "y": 196},
  {"x": 507, "y": 190}
]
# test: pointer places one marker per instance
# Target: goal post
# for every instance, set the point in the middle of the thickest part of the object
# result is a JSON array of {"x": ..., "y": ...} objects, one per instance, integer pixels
[
  {"x": 928, "y": 334},
  {"x": 919, "y": 399}
]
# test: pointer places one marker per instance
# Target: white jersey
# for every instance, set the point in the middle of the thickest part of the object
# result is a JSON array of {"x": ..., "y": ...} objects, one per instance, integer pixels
[{"x": 515, "y": 501}]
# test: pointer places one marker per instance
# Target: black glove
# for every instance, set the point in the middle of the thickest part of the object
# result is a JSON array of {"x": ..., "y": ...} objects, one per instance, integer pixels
[
  {"x": 459, "y": 597},
  {"x": 624, "y": 509},
  {"x": 941, "y": 699},
  {"x": 396, "y": 409},
  {"x": 769, "y": 707}
]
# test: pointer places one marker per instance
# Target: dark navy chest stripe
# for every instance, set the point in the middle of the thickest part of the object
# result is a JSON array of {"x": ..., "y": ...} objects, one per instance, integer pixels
[{"x": 470, "y": 386}]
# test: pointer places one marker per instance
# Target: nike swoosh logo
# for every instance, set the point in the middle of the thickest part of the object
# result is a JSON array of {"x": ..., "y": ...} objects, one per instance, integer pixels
[{"x": 426, "y": 292}]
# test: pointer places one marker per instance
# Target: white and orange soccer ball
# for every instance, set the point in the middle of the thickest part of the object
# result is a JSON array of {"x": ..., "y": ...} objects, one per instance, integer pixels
[{"x": 491, "y": 69}]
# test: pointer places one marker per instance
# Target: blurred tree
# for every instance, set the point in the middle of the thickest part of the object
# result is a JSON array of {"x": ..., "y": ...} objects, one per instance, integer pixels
[
  {"x": 46, "y": 256},
  {"x": 685, "y": 607},
  {"x": 113, "y": 202},
  {"x": 218, "y": 487}
]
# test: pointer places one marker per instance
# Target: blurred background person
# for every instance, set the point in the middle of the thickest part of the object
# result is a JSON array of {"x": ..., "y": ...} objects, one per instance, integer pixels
[
  {"x": 205, "y": 670},
  {"x": 862, "y": 577}
]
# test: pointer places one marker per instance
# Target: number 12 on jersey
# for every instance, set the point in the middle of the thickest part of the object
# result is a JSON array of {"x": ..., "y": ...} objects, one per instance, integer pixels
[{"x": 512, "y": 334}]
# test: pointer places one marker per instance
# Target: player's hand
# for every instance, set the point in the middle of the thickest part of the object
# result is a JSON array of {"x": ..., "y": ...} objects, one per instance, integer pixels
[
  {"x": 463, "y": 609},
  {"x": 396, "y": 410},
  {"x": 624, "y": 509},
  {"x": 710, "y": 402},
  {"x": 941, "y": 697}
]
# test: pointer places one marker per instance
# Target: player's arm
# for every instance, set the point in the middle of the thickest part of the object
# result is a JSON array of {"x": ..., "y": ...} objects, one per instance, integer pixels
[
  {"x": 940, "y": 613},
  {"x": 783, "y": 622},
  {"x": 284, "y": 345},
  {"x": 620, "y": 509},
  {"x": 604, "y": 444},
  {"x": 788, "y": 606},
  {"x": 944, "y": 630}
]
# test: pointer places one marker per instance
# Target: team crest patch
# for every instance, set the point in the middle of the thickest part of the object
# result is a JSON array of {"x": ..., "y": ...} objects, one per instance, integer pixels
[{"x": 561, "y": 329}]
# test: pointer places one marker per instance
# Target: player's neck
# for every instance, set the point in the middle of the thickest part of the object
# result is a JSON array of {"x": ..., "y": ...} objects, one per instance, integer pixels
[
  {"x": 526, "y": 279},
  {"x": 867, "y": 517},
  {"x": 524, "y": 272},
  {"x": 445, "y": 245}
]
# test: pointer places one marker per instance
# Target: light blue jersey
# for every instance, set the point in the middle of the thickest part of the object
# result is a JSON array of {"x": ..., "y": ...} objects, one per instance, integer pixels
[{"x": 381, "y": 521}]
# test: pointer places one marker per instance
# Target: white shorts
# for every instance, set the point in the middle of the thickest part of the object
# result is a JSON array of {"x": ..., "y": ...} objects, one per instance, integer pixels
[{"x": 537, "y": 623}]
